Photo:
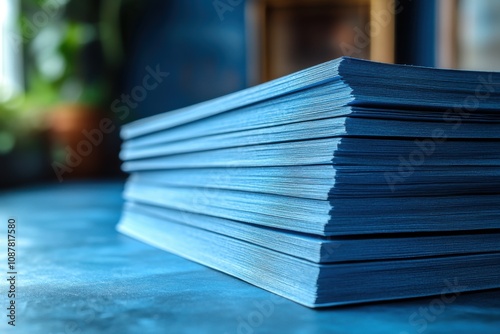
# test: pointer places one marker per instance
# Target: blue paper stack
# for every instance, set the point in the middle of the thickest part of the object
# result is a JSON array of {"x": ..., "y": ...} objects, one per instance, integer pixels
[{"x": 348, "y": 182}]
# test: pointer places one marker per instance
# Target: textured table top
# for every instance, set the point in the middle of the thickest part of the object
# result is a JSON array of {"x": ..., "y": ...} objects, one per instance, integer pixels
[{"x": 76, "y": 274}]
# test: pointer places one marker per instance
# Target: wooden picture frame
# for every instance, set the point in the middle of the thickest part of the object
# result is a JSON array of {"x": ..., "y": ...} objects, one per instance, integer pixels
[
  {"x": 282, "y": 32},
  {"x": 446, "y": 48}
]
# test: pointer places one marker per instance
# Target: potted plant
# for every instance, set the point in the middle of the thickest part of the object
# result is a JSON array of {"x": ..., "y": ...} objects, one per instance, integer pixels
[
  {"x": 64, "y": 86},
  {"x": 24, "y": 146}
]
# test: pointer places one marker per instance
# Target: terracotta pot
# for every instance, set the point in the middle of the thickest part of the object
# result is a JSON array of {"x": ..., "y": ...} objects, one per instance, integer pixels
[{"x": 75, "y": 153}]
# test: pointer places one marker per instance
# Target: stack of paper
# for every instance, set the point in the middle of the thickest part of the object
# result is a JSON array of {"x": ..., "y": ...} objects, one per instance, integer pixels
[{"x": 347, "y": 182}]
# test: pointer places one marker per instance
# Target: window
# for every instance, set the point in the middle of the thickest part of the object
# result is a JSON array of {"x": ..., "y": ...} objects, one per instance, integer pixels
[{"x": 10, "y": 50}]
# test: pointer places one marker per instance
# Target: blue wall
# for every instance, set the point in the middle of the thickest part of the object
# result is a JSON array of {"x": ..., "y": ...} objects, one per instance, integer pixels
[
  {"x": 203, "y": 49},
  {"x": 416, "y": 33}
]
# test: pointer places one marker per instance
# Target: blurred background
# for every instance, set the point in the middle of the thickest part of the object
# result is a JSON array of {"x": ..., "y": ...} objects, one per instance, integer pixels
[{"x": 72, "y": 72}]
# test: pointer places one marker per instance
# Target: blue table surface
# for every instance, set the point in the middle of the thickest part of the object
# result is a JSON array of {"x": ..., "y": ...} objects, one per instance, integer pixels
[{"x": 76, "y": 274}]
